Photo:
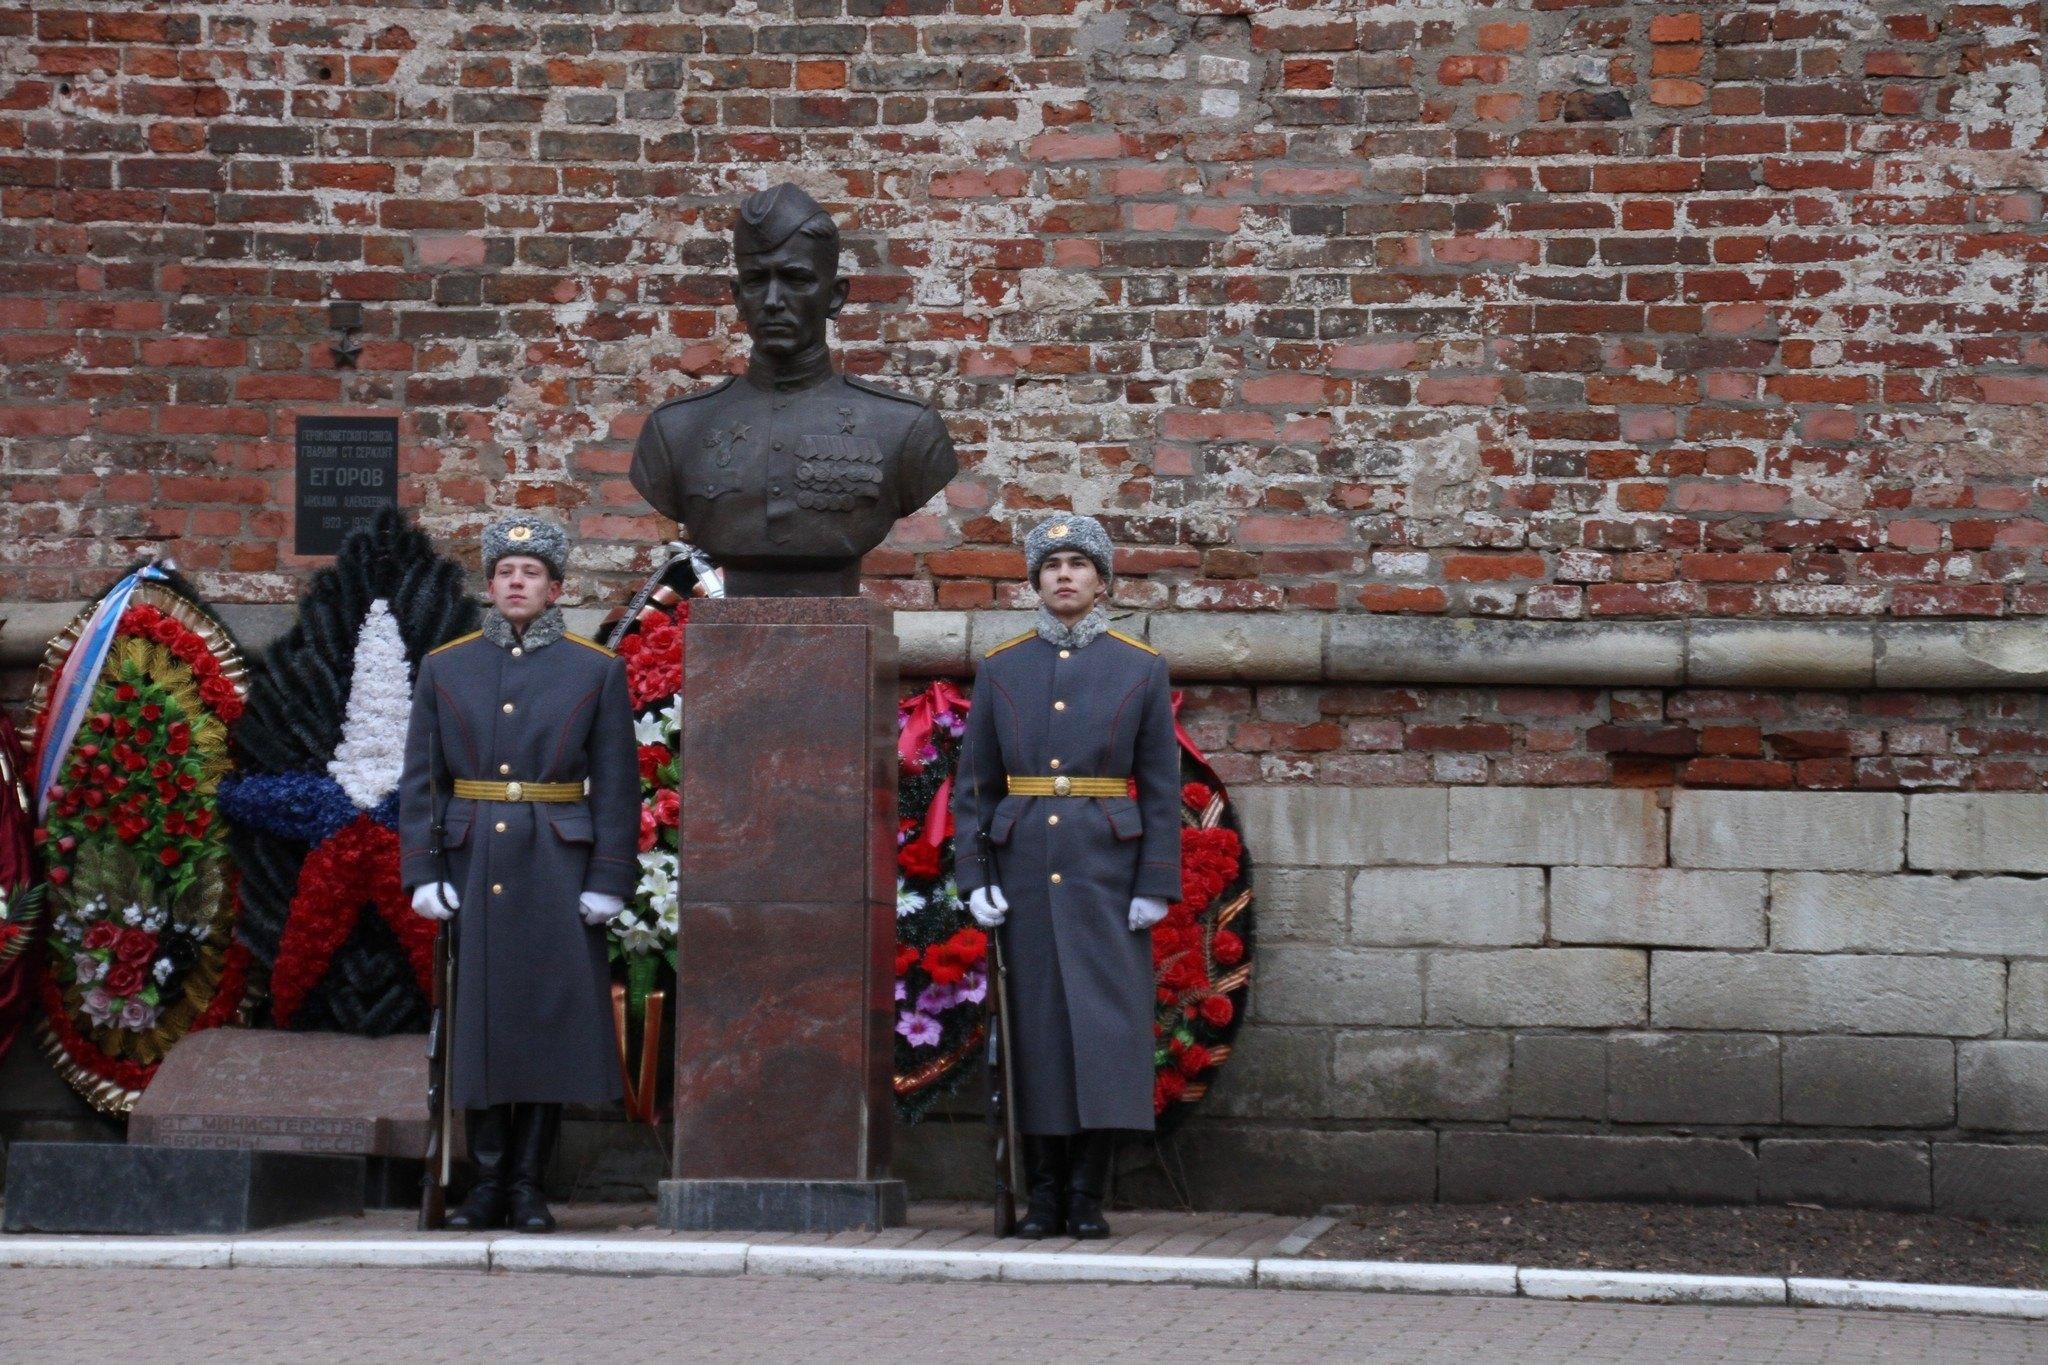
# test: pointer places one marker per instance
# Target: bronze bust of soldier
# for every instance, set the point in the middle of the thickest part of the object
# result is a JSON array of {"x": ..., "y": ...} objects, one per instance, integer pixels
[{"x": 785, "y": 476}]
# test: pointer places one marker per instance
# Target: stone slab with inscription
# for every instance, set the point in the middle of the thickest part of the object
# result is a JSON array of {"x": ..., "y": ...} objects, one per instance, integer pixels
[{"x": 316, "y": 1093}]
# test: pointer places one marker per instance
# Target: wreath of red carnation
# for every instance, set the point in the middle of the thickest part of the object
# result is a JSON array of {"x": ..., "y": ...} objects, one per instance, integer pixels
[
  {"x": 140, "y": 924},
  {"x": 355, "y": 869}
]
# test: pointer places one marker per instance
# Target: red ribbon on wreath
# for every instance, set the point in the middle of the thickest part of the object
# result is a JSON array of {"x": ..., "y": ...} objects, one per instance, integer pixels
[{"x": 357, "y": 865}]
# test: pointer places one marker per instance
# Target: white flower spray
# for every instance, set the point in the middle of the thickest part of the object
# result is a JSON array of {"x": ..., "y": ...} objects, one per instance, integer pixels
[{"x": 371, "y": 756}]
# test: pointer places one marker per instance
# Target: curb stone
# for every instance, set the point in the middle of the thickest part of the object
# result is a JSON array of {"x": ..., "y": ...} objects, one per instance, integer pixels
[
  {"x": 1919, "y": 1298},
  {"x": 1608, "y": 1286},
  {"x": 650, "y": 1256}
]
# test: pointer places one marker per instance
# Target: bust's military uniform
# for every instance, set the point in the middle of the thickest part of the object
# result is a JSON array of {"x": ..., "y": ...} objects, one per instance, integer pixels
[
  {"x": 534, "y": 717},
  {"x": 1091, "y": 716},
  {"x": 806, "y": 471}
]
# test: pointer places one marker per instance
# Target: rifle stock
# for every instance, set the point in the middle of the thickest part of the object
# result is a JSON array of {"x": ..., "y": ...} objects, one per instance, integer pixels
[{"x": 440, "y": 1153}]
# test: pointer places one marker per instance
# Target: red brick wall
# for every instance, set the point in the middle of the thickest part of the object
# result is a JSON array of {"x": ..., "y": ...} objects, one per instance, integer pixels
[
  {"x": 1357, "y": 736},
  {"x": 1547, "y": 309}
]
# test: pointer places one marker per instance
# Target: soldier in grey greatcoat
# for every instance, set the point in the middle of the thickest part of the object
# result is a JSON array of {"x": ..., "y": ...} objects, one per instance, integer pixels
[
  {"x": 523, "y": 735},
  {"x": 1072, "y": 868}
]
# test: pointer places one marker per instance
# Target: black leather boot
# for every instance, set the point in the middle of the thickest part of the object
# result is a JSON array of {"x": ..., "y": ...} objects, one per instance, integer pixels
[
  {"x": 1045, "y": 1167},
  {"x": 533, "y": 1141},
  {"x": 1092, "y": 1150},
  {"x": 490, "y": 1135}
]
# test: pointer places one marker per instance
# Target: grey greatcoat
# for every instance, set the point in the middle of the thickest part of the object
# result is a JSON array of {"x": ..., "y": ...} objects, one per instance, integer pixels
[
  {"x": 1081, "y": 982},
  {"x": 533, "y": 1018}
]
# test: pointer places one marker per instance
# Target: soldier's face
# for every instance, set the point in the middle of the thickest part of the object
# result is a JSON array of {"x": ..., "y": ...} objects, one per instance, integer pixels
[
  {"x": 1068, "y": 583},
  {"x": 522, "y": 588},
  {"x": 786, "y": 296}
]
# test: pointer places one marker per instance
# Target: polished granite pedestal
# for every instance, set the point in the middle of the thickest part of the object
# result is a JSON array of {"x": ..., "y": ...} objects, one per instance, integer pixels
[{"x": 786, "y": 937}]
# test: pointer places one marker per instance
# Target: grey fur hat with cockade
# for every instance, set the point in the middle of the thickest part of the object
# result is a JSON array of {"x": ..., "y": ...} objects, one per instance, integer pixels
[
  {"x": 522, "y": 533},
  {"x": 1068, "y": 532}
]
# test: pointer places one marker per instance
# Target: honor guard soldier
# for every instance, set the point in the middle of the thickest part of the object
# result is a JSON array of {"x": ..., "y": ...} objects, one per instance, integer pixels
[
  {"x": 788, "y": 475},
  {"x": 1067, "y": 819},
  {"x": 521, "y": 745}
]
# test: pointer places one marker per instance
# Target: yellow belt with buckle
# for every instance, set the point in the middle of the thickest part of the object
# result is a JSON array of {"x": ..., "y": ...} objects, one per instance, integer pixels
[
  {"x": 1070, "y": 786},
  {"x": 467, "y": 790}
]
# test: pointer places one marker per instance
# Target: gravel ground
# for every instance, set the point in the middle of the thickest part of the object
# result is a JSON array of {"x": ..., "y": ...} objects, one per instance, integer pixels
[{"x": 1859, "y": 1244}]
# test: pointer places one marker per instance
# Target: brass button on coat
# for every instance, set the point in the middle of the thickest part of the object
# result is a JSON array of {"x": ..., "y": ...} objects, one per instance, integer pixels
[
  {"x": 508, "y": 708},
  {"x": 1066, "y": 654},
  {"x": 1055, "y": 879},
  {"x": 1059, "y": 706},
  {"x": 517, "y": 651},
  {"x": 1052, "y": 819},
  {"x": 504, "y": 768},
  {"x": 1055, "y": 763},
  {"x": 497, "y": 888},
  {"x": 501, "y": 827}
]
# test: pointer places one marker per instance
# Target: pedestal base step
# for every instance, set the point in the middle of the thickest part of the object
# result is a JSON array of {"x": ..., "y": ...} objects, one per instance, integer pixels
[
  {"x": 782, "y": 1205},
  {"x": 123, "y": 1188}
]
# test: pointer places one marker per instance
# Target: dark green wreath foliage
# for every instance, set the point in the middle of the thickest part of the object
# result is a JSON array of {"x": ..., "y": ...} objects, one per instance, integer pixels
[{"x": 296, "y": 707}]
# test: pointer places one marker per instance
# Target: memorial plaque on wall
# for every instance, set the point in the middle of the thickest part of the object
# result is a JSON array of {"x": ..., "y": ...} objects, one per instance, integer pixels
[{"x": 347, "y": 473}]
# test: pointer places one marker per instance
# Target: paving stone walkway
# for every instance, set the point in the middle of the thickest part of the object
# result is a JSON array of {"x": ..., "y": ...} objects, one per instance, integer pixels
[{"x": 58, "y": 1316}]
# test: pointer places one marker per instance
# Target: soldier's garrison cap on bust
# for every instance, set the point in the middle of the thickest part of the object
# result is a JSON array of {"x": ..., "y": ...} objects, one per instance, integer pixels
[
  {"x": 771, "y": 217},
  {"x": 522, "y": 533},
  {"x": 1068, "y": 532}
]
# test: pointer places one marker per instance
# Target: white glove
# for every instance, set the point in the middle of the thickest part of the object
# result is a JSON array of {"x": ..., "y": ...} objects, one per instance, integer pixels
[
  {"x": 435, "y": 900},
  {"x": 1146, "y": 911},
  {"x": 987, "y": 905},
  {"x": 598, "y": 908}
]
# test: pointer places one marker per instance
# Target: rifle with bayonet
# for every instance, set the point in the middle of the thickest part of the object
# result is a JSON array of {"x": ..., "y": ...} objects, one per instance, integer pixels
[
  {"x": 440, "y": 1154},
  {"x": 1002, "y": 1108}
]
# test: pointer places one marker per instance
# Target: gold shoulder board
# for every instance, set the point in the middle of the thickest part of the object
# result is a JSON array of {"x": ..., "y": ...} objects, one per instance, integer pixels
[
  {"x": 1131, "y": 641},
  {"x": 1013, "y": 640},
  {"x": 458, "y": 640},
  {"x": 588, "y": 644}
]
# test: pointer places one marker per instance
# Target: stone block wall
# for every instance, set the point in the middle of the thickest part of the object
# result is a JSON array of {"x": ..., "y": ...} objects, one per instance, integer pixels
[{"x": 1474, "y": 993}]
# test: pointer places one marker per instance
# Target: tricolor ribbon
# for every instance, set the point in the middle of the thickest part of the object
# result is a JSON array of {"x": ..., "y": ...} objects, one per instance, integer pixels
[{"x": 71, "y": 693}]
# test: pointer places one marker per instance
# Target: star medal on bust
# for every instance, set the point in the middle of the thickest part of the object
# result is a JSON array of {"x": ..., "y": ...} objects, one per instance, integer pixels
[
  {"x": 846, "y": 422},
  {"x": 725, "y": 441}
]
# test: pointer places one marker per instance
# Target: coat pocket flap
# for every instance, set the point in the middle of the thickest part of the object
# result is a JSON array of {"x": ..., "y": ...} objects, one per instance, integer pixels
[
  {"x": 1124, "y": 820},
  {"x": 455, "y": 833},
  {"x": 573, "y": 827},
  {"x": 1004, "y": 820}
]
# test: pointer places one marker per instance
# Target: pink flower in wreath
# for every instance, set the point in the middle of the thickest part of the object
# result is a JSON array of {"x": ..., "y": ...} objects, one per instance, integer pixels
[
  {"x": 649, "y": 831},
  {"x": 919, "y": 1030}
]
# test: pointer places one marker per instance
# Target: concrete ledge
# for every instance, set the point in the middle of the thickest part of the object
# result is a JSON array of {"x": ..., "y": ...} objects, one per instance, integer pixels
[
  {"x": 1052, "y": 1267},
  {"x": 1309, "y": 647},
  {"x": 1608, "y": 1286},
  {"x": 1919, "y": 1298},
  {"x": 1465, "y": 650}
]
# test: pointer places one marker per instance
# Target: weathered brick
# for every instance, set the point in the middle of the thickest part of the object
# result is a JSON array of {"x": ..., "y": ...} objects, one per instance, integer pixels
[
  {"x": 1302, "y": 985},
  {"x": 1844, "y": 1174},
  {"x": 1475, "y": 1167},
  {"x": 1824, "y": 831},
  {"x": 1816, "y": 993},
  {"x": 1978, "y": 832},
  {"x": 1838, "y": 912},
  {"x": 1560, "y": 825},
  {"x": 1538, "y": 987},
  {"x": 2002, "y": 1086},
  {"x": 1420, "y": 1074},
  {"x": 1692, "y": 1078},
  {"x": 1304, "y": 904},
  {"x": 1559, "y": 1076},
  {"x": 1658, "y": 907},
  {"x": 1335, "y": 827},
  {"x": 1870, "y": 1082},
  {"x": 1274, "y": 1073},
  {"x": 1479, "y": 906}
]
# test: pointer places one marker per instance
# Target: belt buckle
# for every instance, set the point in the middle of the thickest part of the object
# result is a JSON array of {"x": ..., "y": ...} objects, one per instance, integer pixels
[
  {"x": 514, "y": 792},
  {"x": 1062, "y": 785}
]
